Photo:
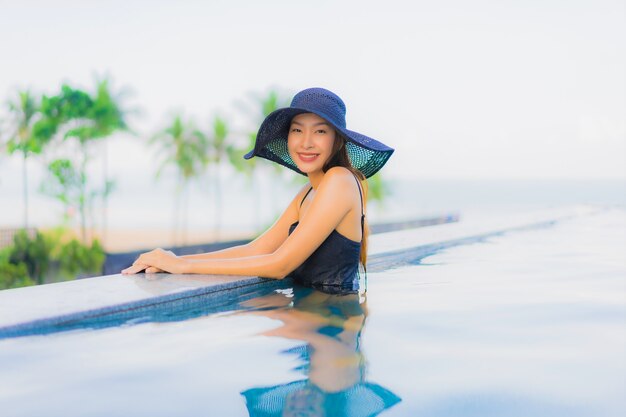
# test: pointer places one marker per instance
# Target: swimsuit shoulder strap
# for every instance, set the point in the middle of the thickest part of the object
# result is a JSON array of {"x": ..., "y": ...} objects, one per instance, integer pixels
[
  {"x": 307, "y": 193},
  {"x": 358, "y": 183}
]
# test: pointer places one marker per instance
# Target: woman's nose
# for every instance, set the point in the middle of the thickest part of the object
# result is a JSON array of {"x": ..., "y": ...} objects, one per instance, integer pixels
[{"x": 308, "y": 140}]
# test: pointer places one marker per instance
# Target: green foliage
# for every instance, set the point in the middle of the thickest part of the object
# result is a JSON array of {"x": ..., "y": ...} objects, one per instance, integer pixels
[
  {"x": 23, "y": 113},
  {"x": 218, "y": 141},
  {"x": 183, "y": 147},
  {"x": 66, "y": 182},
  {"x": 75, "y": 258},
  {"x": 69, "y": 185},
  {"x": 76, "y": 115},
  {"x": 90, "y": 117},
  {"x": 263, "y": 106},
  {"x": 235, "y": 156},
  {"x": 106, "y": 112},
  {"x": 13, "y": 275},
  {"x": 30, "y": 260},
  {"x": 215, "y": 143},
  {"x": 34, "y": 253},
  {"x": 23, "y": 136},
  {"x": 269, "y": 103},
  {"x": 377, "y": 189}
]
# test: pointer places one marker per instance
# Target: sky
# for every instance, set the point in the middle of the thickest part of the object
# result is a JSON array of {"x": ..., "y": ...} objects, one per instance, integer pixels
[
  {"x": 462, "y": 90},
  {"x": 478, "y": 89}
]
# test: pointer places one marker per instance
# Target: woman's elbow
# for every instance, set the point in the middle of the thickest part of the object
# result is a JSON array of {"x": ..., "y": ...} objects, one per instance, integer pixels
[
  {"x": 274, "y": 275},
  {"x": 277, "y": 276},
  {"x": 280, "y": 273},
  {"x": 281, "y": 268}
]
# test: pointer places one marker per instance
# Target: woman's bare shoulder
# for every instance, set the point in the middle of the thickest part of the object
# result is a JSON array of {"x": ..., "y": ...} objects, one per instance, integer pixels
[
  {"x": 338, "y": 174},
  {"x": 340, "y": 177}
]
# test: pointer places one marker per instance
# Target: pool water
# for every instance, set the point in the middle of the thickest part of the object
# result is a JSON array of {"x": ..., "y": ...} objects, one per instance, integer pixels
[{"x": 526, "y": 323}]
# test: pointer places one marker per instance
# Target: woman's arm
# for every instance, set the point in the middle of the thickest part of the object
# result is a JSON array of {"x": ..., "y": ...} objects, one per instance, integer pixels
[
  {"x": 264, "y": 244},
  {"x": 333, "y": 200},
  {"x": 238, "y": 251},
  {"x": 267, "y": 243}
]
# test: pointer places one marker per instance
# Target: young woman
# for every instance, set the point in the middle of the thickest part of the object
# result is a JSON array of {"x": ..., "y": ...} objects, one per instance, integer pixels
[{"x": 321, "y": 236}]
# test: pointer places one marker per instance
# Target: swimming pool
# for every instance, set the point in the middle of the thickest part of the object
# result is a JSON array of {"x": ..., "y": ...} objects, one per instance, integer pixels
[{"x": 525, "y": 323}]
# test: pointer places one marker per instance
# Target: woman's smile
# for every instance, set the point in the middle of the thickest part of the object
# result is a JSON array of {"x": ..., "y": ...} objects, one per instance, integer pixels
[{"x": 308, "y": 157}]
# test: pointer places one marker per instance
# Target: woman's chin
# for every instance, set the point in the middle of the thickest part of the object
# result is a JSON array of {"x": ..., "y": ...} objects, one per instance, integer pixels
[{"x": 308, "y": 170}]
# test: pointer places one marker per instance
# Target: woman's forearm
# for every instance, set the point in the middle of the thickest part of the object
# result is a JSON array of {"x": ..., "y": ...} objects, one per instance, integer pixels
[
  {"x": 267, "y": 266},
  {"x": 240, "y": 251}
]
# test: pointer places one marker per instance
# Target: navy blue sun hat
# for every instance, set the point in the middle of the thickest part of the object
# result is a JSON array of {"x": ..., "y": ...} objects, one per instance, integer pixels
[{"x": 366, "y": 154}]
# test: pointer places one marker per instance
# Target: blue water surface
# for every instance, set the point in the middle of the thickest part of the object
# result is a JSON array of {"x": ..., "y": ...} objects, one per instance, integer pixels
[{"x": 526, "y": 323}]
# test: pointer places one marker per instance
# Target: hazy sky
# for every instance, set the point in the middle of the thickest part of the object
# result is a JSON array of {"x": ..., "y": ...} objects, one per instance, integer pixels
[{"x": 461, "y": 89}]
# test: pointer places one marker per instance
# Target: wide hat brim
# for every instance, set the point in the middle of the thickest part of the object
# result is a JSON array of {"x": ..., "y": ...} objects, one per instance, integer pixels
[{"x": 366, "y": 154}]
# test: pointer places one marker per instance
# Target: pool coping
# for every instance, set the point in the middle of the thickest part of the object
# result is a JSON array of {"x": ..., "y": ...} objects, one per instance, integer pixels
[{"x": 54, "y": 304}]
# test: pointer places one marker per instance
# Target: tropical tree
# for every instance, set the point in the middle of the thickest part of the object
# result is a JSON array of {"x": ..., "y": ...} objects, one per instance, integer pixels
[
  {"x": 262, "y": 106},
  {"x": 67, "y": 185},
  {"x": 79, "y": 119},
  {"x": 74, "y": 107},
  {"x": 23, "y": 138},
  {"x": 108, "y": 116},
  {"x": 247, "y": 168},
  {"x": 185, "y": 149},
  {"x": 219, "y": 150},
  {"x": 377, "y": 189}
]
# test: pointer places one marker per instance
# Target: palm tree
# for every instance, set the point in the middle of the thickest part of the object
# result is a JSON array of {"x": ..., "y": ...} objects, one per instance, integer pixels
[
  {"x": 23, "y": 139},
  {"x": 72, "y": 114},
  {"x": 219, "y": 150},
  {"x": 108, "y": 117},
  {"x": 83, "y": 118},
  {"x": 74, "y": 108},
  {"x": 263, "y": 106},
  {"x": 186, "y": 150},
  {"x": 248, "y": 168}
]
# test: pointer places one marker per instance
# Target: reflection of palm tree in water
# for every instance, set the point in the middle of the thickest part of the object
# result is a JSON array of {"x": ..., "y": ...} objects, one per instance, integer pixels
[{"x": 333, "y": 361}]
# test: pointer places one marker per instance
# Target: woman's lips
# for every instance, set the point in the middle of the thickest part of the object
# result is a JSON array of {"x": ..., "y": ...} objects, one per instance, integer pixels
[{"x": 308, "y": 157}]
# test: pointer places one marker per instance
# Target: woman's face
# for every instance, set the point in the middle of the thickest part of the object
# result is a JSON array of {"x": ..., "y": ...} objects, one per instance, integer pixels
[{"x": 310, "y": 142}]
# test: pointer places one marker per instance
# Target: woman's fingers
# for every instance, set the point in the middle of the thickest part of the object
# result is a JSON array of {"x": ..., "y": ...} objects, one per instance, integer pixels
[
  {"x": 133, "y": 269},
  {"x": 147, "y": 260}
]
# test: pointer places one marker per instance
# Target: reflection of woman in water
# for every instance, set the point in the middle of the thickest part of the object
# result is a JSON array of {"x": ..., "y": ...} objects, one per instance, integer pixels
[
  {"x": 321, "y": 237},
  {"x": 331, "y": 325}
]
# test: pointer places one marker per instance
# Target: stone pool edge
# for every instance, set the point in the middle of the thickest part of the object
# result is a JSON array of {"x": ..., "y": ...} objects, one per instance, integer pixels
[{"x": 380, "y": 261}]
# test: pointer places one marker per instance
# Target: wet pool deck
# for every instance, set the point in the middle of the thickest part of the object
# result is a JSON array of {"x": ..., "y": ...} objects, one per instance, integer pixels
[{"x": 23, "y": 308}]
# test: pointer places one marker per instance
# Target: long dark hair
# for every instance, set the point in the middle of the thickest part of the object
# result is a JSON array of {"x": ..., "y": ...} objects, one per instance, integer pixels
[{"x": 339, "y": 158}]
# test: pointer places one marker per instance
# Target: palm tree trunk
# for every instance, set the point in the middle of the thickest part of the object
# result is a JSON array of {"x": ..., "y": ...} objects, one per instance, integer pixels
[
  {"x": 218, "y": 203},
  {"x": 83, "y": 194},
  {"x": 105, "y": 195},
  {"x": 176, "y": 211},
  {"x": 25, "y": 189},
  {"x": 185, "y": 214}
]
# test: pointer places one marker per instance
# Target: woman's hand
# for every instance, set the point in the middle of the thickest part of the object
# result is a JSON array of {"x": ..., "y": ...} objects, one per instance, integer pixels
[{"x": 157, "y": 260}]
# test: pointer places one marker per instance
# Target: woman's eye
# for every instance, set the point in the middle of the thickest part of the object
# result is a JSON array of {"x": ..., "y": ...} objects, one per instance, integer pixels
[
  {"x": 295, "y": 129},
  {"x": 322, "y": 130}
]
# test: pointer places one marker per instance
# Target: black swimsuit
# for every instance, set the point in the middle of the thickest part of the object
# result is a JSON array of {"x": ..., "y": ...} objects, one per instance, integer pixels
[{"x": 334, "y": 266}]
